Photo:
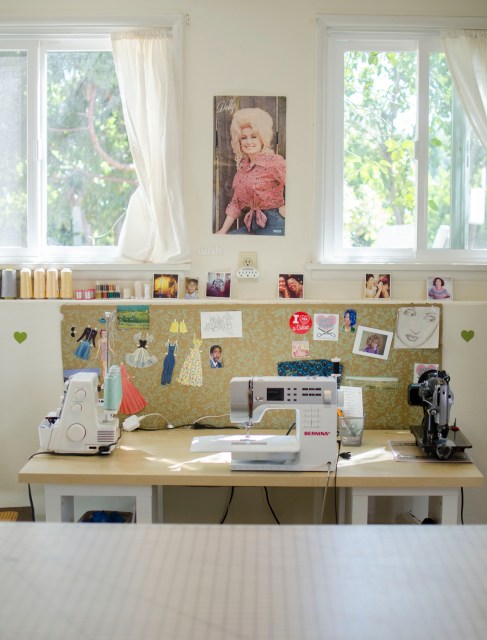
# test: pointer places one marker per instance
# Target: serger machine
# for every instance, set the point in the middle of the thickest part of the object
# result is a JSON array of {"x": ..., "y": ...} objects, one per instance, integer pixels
[
  {"x": 84, "y": 424},
  {"x": 434, "y": 435},
  {"x": 311, "y": 447}
]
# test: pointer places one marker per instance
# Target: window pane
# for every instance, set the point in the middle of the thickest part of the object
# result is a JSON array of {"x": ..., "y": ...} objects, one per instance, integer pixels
[
  {"x": 13, "y": 145},
  {"x": 476, "y": 194},
  {"x": 90, "y": 176},
  {"x": 440, "y": 160},
  {"x": 379, "y": 131},
  {"x": 457, "y": 169}
]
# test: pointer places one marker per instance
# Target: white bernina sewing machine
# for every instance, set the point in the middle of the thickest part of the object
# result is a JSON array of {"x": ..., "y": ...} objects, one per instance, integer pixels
[
  {"x": 313, "y": 447},
  {"x": 84, "y": 424}
]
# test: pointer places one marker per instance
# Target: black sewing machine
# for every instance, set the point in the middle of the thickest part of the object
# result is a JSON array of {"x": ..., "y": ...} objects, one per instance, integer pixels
[{"x": 434, "y": 435}]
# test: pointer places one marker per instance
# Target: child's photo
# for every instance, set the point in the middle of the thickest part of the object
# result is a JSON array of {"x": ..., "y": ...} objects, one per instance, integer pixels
[
  {"x": 191, "y": 288},
  {"x": 218, "y": 285}
]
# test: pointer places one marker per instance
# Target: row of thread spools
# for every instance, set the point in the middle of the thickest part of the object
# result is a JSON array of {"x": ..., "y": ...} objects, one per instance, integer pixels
[{"x": 40, "y": 283}]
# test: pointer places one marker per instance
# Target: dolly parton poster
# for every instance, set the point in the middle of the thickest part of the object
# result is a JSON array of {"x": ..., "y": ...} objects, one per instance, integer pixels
[{"x": 249, "y": 165}]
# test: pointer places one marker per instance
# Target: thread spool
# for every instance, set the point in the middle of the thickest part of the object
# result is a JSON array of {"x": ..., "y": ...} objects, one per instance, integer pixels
[
  {"x": 52, "y": 284},
  {"x": 39, "y": 283},
  {"x": 147, "y": 290},
  {"x": 9, "y": 283},
  {"x": 25, "y": 283},
  {"x": 66, "y": 283},
  {"x": 139, "y": 288}
]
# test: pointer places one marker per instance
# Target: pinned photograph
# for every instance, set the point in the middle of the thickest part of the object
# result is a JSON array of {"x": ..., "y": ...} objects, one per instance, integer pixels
[
  {"x": 191, "y": 291},
  {"x": 377, "y": 287},
  {"x": 374, "y": 343},
  {"x": 439, "y": 288},
  {"x": 300, "y": 348},
  {"x": 216, "y": 360},
  {"x": 291, "y": 285},
  {"x": 249, "y": 165},
  {"x": 165, "y": 285},
  {"x": 417, "y": 328},
  {"x": 218, "y": 284}
]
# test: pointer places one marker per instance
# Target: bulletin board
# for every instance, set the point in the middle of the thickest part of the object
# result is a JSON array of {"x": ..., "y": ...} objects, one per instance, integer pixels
[{"x": 196, "y": 390}]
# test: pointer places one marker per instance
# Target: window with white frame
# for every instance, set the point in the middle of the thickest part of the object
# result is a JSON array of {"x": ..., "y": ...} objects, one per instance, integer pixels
[
  {"x": 401, "y": 175},
  {"x": 66, "y": 171}
]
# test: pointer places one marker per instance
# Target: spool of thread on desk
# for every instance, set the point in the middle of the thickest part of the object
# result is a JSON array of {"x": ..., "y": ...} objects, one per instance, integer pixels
[
  {"x": 25, "y": 283},
  {"x": 66, "y": 283},
  {"x": 52, "y": 285},
  {"x": 9, "y": 283},
  {"x": 39, "y": 283}
]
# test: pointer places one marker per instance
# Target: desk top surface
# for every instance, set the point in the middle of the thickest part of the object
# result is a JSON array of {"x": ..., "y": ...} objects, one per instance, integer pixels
[
  {"x": 162, "y": 582},
  {"x": 164, "y": 458}
]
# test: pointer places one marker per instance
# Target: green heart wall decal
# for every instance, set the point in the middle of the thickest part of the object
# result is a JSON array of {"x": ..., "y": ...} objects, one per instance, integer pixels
[
  {"x": 467, "y": 335},
  {"x": 20, "y": 336}
]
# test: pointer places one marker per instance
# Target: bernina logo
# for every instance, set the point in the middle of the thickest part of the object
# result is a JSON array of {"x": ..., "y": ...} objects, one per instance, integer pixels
[{"x": 317, "y": 433}]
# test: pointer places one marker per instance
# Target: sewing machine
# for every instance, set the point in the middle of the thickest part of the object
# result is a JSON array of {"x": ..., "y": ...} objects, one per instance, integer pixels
[
  {"x": 84, "y": 424},
  {"x": 433, "y": 392},
  {"x": 313, "y": 445}
]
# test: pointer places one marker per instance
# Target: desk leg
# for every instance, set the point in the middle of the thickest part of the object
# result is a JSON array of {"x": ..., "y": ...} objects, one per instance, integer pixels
[
  {"x": 59, "y": 508},
  {"x": 359, "y": 507},
  {"x": 444, "y": 508}
]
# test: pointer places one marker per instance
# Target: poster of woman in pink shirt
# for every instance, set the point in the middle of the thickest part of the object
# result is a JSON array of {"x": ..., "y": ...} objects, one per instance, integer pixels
[{"x": 249, "y": 165}]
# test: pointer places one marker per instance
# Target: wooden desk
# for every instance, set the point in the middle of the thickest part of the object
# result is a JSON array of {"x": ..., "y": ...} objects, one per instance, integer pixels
[
  {"x": 145, "y": 460},
  {"x": 162, "y": 582}
]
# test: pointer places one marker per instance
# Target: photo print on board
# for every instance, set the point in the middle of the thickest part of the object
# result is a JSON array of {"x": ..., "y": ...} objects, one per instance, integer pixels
[{"x": 249, "y": 165}]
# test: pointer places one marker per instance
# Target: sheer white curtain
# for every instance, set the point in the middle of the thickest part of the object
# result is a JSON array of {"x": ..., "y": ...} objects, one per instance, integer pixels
[
  {"x": 149, "y": 70},
  {"x": 466, "y": 53}
]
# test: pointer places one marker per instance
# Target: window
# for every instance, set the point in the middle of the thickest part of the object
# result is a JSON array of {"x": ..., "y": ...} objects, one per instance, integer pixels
[
  {"x": 401, "y": 177},
  {"x": 66, "y": 171}
]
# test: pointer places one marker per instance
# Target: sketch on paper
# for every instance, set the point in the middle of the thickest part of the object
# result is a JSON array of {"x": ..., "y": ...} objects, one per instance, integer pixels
[{"x": 221, "y": 324}]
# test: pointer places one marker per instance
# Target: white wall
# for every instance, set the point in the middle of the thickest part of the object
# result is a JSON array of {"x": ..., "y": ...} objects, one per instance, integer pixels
[{"x": 257, "y": 47}]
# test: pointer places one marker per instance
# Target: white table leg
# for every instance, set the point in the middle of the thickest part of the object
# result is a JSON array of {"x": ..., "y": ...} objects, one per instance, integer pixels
[{"x": 59, "y": 508}]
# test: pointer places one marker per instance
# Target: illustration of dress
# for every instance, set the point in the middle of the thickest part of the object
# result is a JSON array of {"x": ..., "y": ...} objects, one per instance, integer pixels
[
  {"x": 141, "y": 358},
  {"x": 84, "y": 347},
  {"x": 132, "y": 400},
  {"x": 191, "y": 373},
  {"x": 169, "y": 362}
]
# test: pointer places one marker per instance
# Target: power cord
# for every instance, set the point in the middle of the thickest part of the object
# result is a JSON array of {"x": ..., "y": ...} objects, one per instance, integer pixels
[{"x": 133, "y": 422}]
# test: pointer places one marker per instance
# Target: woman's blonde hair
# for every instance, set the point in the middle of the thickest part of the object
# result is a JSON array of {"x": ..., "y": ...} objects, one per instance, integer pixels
[{"x": 256, "y": 119}]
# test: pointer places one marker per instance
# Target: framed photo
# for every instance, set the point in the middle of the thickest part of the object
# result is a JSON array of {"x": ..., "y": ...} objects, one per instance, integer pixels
[
  {"x": 291, "y": 285},
  {"x": 218, "y": 284},
  {"x": 377, "y": 287},
  {"x": 439, "y": 288},
  {"x": 191, "y": 288},
  {"x": 165, "y": 285},
  {"x": 371, "y": 342}
]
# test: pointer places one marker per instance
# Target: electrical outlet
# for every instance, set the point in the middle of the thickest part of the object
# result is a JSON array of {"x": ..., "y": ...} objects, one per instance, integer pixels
[{"x": 247, "y": 260}]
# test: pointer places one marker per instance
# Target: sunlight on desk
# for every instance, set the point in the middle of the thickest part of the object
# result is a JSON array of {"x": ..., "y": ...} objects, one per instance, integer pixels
[{"x": 381, "y": 454}]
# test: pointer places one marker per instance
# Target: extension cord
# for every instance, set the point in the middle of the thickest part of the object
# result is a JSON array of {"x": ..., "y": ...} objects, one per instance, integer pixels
[{"x": 247, "y": 273}]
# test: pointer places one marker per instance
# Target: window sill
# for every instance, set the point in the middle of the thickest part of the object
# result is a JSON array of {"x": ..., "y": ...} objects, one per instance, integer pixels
[{"x": 435, "y": 267}]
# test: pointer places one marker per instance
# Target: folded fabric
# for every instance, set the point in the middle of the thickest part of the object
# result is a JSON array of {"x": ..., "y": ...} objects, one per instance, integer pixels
[{"x": 307, "y": 368}]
